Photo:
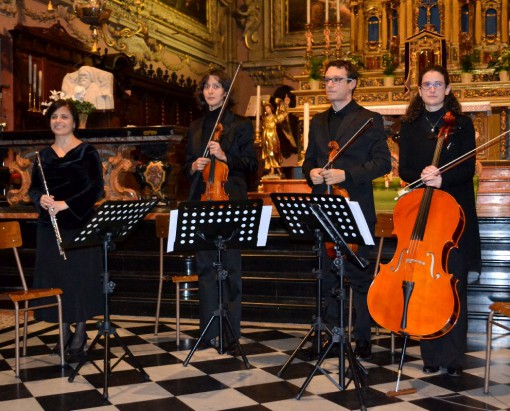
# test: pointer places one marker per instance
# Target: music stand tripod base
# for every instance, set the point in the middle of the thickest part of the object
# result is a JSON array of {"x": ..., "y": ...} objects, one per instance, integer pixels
[{"x": 112, "y": 222}]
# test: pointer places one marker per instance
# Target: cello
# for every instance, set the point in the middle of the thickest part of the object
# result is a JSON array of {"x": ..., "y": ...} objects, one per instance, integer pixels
[{"x": 414, "y": 295}]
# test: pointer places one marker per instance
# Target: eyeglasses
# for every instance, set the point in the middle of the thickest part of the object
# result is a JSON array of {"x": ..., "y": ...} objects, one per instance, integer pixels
[
  {"x": 429, "y": 84},
  {"x": 336, "y": 80}
]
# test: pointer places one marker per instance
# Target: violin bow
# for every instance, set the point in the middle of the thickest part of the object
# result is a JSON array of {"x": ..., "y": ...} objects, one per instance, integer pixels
[
  {"x": 445, "y": 167},
  {"x": 224, "y": 105},
  {"x": 363, "y": 128}
]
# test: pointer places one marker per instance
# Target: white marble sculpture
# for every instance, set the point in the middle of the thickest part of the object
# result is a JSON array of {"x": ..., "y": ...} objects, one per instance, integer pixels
[{"x": 90, "y": 84}]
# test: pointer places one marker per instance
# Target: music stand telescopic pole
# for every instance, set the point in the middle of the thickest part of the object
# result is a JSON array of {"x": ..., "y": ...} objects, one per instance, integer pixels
[
  {"x": 302, "y": 215},
  {"x": 112, "y": 222},
  {"x": 318, "y": 327},
  {"x": 343, "y": 251}
]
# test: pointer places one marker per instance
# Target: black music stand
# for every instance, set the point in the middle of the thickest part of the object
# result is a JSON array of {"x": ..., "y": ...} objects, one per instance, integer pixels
[
  {"x": 111, "y": 223},
  {"x": 210, "y": 226},
  {"x": 304, "y": 215}
]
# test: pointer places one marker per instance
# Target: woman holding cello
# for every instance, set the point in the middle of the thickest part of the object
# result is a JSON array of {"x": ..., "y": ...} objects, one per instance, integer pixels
[
  {"x": 229, "y": 140},
  {"x": 417, "y": 143}
]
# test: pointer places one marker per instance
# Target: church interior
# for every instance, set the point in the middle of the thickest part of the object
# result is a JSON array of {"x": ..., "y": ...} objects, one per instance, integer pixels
[{"x": 146, "y": 59}]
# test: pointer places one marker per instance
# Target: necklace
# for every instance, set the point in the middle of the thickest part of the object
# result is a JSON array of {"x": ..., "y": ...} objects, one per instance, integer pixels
[{"x": 433, "y": 126}]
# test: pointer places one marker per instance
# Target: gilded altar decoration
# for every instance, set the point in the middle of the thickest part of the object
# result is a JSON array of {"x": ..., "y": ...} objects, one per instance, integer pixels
[
  {"x": 22, "y": 168},
  {"x": 113, "y": 171},
  {"x": 155, "y": 175}
]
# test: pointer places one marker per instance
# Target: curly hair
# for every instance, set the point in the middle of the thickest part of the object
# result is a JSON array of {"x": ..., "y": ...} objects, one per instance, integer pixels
[
  {"x": 417, "y": 106},
  {"x": 223, "y": 79}
]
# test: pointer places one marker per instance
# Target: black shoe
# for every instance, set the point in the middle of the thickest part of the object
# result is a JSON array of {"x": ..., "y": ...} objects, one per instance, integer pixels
[
  {"x": 205, "y": 344},
  {"x": 67, "y": 337},
  {"x": 430, "y": 369},
  {"x": 363, "y": 350},
  {"x": 73, "y": 356},
  {"x": 454, "y": 371},
  {"x": 76, "y": 347}
]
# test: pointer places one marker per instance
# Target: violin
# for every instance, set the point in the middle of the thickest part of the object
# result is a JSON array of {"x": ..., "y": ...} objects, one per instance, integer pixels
[
  {"x": 215, "y": 174},
  {"x": 334, "y": 150},
  {"x": 414, "y": 295}
]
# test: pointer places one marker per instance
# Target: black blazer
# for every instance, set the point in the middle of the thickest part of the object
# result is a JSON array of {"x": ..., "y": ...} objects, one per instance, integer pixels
[
  {"x": 237, "y": 143},
  {"x": 366, "y": 159}
]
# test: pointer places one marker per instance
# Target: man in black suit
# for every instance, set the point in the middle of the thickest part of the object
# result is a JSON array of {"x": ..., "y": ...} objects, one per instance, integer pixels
[{"x": 366, "y": 159}]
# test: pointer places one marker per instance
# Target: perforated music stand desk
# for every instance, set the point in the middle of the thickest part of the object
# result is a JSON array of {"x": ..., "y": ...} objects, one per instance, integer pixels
[
  {"x": 210, "y": 226},
  {"x": 112, "y": 222},
  {"x": 199, "y": 224},
  {"x": 301, "y": 223}
]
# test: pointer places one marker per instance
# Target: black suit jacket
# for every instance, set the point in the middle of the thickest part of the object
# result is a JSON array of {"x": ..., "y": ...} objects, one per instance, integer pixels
[{"x": 366, "y": 159}]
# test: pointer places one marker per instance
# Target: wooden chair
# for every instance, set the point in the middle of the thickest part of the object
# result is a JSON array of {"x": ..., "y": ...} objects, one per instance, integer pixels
[
  {"x": 498, "y": 311},
  {"x": 383, "y": 229},
  {"x": 10, "y": 237},
  {"x": 162, "y": 222}
]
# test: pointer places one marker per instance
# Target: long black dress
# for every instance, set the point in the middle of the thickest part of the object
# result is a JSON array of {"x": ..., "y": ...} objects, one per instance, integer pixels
[
  {"x": 416, "y": 148},
  {"x": 76, "y": 179}
]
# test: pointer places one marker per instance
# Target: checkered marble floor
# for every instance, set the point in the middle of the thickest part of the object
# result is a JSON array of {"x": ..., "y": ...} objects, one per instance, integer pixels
[{"x": 222, "y": 382}]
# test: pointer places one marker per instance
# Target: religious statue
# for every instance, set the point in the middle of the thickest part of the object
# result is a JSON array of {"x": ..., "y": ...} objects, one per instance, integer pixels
[
  {"x": 287, "y": 124},
  {"x": 271, "y": 154},
  {"x": 92, "y": 85}
]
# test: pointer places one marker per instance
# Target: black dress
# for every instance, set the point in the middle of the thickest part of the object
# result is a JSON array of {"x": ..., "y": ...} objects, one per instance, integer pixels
[
  {"x": 416, "y": 149},
  {"x": 76, "y": 179}
]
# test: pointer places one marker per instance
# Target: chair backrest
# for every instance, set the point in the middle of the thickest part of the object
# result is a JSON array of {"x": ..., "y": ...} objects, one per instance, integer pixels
[
  {"x": 10, "y": 237},
  {"x": 162, "y": 222},
  {"x": 384, "y": 225}
]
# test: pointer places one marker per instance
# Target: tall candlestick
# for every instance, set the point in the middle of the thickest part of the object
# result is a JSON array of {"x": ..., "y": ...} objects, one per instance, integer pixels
[
  {"x": 338, "y": 11},
  {"x": 326, "y": 18},
  {"x": 40, "y": 83},
  {"x": 29, "y": 69},
  {"x": 306, "y": 124},
  {"x": 34, "y": 84},
  {"x": 257, "y": 111},
  {"x": 307, "y": 11}
]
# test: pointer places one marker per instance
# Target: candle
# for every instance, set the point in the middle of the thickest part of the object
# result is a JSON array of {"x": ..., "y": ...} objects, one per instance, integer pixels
[
  {"x": 306, "y": 124},
  {"x": 338, "y": 11},
  {"x": 257, "y": 111},
  {"x": 307, "y": 11},
  {"x": 34, "y": 84},
  {"x": 326, "y": 19},
  {"x": 40, "y": 83},
  {"x": 29, "y": 69}
]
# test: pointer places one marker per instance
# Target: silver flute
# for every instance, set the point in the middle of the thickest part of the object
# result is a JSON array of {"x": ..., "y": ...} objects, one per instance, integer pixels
[{"x": 52, "y": 217}]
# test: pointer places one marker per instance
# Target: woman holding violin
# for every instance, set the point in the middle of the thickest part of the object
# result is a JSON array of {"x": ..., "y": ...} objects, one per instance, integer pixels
[
  {"x": 421, "y": 125},
  {"x": 229, "y": 141}
]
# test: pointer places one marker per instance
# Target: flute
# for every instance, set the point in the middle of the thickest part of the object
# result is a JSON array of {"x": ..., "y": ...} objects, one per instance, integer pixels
[{"x": 52, "y": 217}]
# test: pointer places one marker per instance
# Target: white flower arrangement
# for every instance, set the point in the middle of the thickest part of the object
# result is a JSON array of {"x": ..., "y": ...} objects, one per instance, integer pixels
[{"x": 83, "y": 107}]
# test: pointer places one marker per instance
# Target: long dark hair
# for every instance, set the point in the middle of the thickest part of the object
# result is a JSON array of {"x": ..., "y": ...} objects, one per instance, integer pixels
[
  {"x": 63, "y": 103},
  {"x": 223, "y": 79},
  {"x": 417, "y": 106}
]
